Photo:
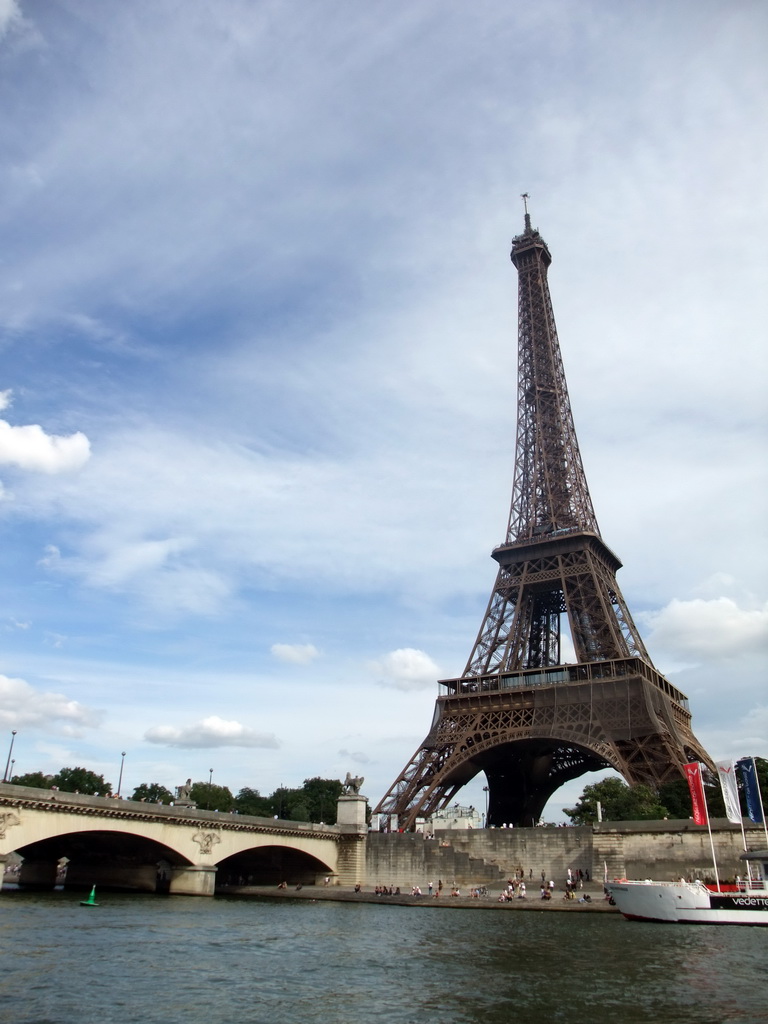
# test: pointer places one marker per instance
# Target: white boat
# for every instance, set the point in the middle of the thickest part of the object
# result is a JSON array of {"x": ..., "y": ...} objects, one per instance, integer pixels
[{"x": 746, "y": 902}]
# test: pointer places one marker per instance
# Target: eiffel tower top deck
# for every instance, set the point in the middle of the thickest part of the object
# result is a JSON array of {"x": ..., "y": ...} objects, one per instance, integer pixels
[{"x": 518, "y": 713}]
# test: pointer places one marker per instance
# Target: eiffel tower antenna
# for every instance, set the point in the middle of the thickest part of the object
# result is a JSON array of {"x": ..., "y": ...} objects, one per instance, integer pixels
[
  {"x": 525, "y": 197},
  {"x": 530, "y": 721}
]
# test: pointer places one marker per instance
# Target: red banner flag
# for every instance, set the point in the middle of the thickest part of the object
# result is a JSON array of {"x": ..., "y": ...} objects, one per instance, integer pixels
[{"x": 696, "y": 786}]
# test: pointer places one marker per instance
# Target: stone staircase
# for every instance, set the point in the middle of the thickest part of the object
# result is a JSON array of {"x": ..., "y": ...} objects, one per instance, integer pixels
[{"x": 455, "y": 866}]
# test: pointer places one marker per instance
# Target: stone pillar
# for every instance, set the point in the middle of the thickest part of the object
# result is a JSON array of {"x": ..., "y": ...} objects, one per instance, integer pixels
[
  {"x": 608, "y": 855},
  {"x": 350, "y": 817},
  {"x": 350, "y": 810},
  {"x": 193, "y": 880},
  {"x": 38, "y": 874}
]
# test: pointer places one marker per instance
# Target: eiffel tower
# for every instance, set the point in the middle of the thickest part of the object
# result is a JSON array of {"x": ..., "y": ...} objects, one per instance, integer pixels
[{"x": 530, "y": 721}]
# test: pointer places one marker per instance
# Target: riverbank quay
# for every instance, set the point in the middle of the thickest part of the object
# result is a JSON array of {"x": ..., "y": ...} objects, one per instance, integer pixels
[
  {"x": 664, "y": 850},
  {"x": 340, "y": 894}
]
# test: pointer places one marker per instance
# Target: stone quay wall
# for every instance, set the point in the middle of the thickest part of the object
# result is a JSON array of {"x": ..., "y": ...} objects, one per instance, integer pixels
[{"x": 647, "y": 849}]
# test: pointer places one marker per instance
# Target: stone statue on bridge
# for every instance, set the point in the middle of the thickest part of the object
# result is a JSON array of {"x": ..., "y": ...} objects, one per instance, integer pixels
[
  {"x": 182, "y": 795},
  {"x": 352, "y": 784}
]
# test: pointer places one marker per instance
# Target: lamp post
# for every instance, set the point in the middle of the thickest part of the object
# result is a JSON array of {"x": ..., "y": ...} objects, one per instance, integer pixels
[
  {"x": 10, "y": 773},
  {"x": 485, "y": 790},
  {"x": 10, "y": 751},
  {"x": 120, "y": 780},
  {"x": 210, "y": 788}
]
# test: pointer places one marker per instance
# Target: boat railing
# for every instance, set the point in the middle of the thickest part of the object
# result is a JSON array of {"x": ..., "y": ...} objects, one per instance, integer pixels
[{"x": 751, "y": 885}]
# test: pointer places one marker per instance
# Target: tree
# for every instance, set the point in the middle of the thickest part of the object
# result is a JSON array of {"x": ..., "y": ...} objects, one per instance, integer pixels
[
  {"x": 314, "y": 801},
  {"x": 249, "y": 801},
  {"x": 282, "y": 800},
  {"x": 619, "y": 802},
  {"x": 762, "y": 778},
  {"x": 321, "y": 797},
  {"x": 298, "y": 811},
  {"x": 676, "y": 797},
  {"x": 81, "y": 780},
  {"x": 35, "y": 779},
  {"x": 210, "y": 797},
  {"x": 152, "y": 793}
]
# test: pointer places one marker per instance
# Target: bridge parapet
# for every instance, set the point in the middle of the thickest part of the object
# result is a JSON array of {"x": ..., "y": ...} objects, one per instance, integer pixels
[{"x": 115, "y": 807}]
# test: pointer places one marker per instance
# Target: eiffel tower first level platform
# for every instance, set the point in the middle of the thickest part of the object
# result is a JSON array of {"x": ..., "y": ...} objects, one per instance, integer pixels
[{"x": 529, "y": 721}]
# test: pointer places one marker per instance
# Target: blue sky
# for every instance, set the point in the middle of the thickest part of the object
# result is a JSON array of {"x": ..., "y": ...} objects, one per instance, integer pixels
[{"x": 258, "y": 339}]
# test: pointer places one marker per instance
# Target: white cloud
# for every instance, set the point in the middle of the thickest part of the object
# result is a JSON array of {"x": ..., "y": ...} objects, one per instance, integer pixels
[
  {"x": 406, "y": 669},
  {"x": 155, "y": 570},
  {"x": 29, "y": 447},
  {"x": 208, "y": 733},
  {"x": 297, "y": 654},
  {"x": 704, "y": 629},
  {"x": 356, "y": 756},
  {"x": 22, "y": 706},
  {"x": 10, "y": 16}
]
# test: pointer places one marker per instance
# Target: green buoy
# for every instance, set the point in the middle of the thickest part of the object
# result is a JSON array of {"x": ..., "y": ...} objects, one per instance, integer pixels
[{"x": 91, "y": 901}]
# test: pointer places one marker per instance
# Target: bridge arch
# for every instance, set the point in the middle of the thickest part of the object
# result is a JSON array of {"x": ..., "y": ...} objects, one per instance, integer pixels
[
  {"x": 270, "y": 864},
  {"x": 115, "y": 858}
]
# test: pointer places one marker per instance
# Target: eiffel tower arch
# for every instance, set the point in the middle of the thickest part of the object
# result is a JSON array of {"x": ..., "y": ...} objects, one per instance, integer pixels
[{"x": 518, "y": 713}]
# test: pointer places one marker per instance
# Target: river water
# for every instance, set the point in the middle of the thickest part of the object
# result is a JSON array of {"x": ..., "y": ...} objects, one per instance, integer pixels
[{"x": 152, "y": 960}]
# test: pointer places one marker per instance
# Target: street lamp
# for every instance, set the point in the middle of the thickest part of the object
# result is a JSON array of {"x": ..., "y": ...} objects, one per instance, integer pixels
[
  {"x": 120, "y": 780},
  {"x": 10, "y": 774},
  {"x": 485, "y": 790},
  {"x": 10, "y": 751}
]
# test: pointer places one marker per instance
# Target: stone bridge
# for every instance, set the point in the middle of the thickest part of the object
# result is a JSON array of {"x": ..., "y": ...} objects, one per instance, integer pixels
[{"x": 125, "y": 844}]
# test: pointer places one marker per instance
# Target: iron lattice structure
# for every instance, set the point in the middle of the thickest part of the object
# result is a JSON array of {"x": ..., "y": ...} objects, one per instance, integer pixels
[{"x": 518, "y": 713}]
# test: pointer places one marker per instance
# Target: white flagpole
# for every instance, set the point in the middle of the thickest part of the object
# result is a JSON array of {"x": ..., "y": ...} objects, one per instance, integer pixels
[
  {"x": 760, "y": 801},
  {"x": 730, "y": 791},
  {"x": 709, "y": 829},
  {"x": 744, "y": 841}
]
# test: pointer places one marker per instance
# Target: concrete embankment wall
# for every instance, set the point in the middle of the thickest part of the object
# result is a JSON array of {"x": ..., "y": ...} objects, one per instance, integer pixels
[{"x": 657, "y": 849}]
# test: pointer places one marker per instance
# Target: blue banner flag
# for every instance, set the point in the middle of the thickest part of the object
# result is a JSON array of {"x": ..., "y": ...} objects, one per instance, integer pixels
[{"x": 751, "y": 791}]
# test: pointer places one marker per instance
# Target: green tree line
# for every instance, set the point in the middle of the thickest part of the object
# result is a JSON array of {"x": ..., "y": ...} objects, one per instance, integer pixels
[
  {"x": 620, "y": 802},
  {"x": 315, "y": 800}
]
